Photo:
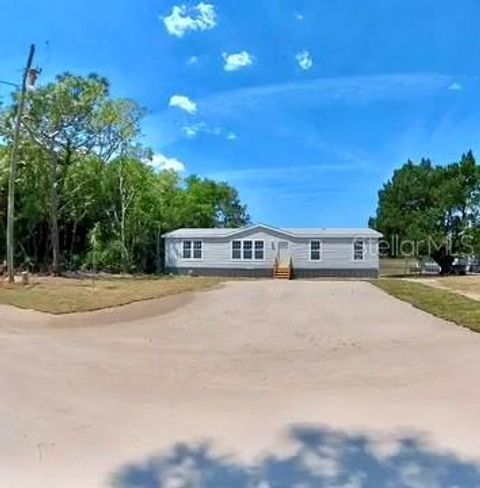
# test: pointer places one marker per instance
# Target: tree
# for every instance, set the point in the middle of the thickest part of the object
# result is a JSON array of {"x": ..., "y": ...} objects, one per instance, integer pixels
[
  {"x": 432, "y": 210},
  {"x": 212, "y": 204},
  {"x": 75, "y": 116},
  {"x": 82, "y": 205},
  {"x": 130, "y": 209},
  {"x": 82, "y": 174}
]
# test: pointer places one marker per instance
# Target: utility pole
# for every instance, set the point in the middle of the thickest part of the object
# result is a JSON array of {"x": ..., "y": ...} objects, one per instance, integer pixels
[{"x": 13, "y": 168}]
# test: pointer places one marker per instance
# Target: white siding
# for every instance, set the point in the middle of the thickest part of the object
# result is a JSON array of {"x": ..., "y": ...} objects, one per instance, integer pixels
[
  {"x": 337, "y": 253},
  {"x": 217, "y": 253}
]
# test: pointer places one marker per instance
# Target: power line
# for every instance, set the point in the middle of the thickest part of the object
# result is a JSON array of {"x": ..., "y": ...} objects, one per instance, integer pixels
[{"x": 3, "y": 82}]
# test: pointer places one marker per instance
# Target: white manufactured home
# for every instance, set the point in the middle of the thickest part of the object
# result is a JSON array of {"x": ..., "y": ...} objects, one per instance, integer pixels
[{"x": 264, "y": 251}]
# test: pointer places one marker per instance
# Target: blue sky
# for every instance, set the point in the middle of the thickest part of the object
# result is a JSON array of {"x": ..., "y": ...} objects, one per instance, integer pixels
[{"x": 306, "y": 106}]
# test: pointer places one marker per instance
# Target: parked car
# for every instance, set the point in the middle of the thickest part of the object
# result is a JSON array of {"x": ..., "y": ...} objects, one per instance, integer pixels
[
  {"x": 458, "y": 269},
  {"x": 431, "y": 267},
  {"x": 474, "y": 265}
]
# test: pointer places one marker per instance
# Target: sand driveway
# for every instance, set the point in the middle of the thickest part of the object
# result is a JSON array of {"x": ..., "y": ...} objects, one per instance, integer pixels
[{"x": 253, "y": 384}]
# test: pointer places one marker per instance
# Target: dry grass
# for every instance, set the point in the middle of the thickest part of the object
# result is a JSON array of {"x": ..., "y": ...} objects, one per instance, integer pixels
[
  {"x": 66, "y": 295},
  {"x": 439, "y": 302},
  {"x": 397, "y": 266},
  {"x": 469, "y": 285}
]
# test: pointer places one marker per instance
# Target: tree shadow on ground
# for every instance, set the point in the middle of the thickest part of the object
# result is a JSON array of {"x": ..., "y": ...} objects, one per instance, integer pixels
[{"x": 322, "y": 458}]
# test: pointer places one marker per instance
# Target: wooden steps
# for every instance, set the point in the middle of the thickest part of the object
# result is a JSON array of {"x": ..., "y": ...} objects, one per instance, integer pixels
[{"x": 282, "y": 273}]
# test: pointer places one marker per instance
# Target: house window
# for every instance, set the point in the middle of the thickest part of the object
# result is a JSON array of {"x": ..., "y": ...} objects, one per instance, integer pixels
[
  {"x": 236, "y": 249},
  {"x": 358, "y": 251},
  {"x": 259, "y": 250},
  {"x": 315, "y": 250},
  {"x": 187, "y": 249},
  {"x": 197, "y": 249},
  {"x": 192, "y": 249},
  {"x": 247, "y": 250}
]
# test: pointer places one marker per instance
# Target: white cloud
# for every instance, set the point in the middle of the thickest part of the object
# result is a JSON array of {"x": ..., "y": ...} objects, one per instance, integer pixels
[
  {"x": 201, "y": 17},
  {"x": 455, "y": 87},
  {"x": 298, "y": 16},
  {"x": 236, "y": 61},
  {"x": 194, "y": 130},
  {"x": 305, "y": 60},
  {"x": 192, "y": 60},
  {"x": 356, "y": 90},
  {"x": 162, "y": 163},
  {"x": 191, "y": 130},
  {"x": 184, "y": 103}
]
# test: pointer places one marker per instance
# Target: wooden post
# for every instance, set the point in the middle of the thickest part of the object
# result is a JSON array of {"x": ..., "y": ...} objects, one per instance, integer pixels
[
  {"x": 25, "y": 279},
  {"x": 13, "y": 170}
]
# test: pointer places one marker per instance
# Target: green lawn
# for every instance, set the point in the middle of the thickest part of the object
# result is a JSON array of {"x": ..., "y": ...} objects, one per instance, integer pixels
[
  {"x": 441, "y": 303},
  {"x": 64, "y": 295}
]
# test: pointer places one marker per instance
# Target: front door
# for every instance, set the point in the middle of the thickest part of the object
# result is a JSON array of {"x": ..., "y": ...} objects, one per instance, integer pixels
[{"x": 283, "y": 253}]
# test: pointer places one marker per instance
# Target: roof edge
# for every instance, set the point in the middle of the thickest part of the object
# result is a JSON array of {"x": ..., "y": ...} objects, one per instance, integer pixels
[
  {"x": 364, "y": 232},
  {"x": 235, "y": 231},
  {"x": 260, "y": 226}
]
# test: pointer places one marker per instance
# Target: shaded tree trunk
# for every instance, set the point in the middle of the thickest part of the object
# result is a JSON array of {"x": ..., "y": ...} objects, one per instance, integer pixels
[
  {"x": 159, "y": 250},
  {"x": 54, "y": 228},
  {"x": 444, "y": 259},
  {"x": 72, "y": 242}
]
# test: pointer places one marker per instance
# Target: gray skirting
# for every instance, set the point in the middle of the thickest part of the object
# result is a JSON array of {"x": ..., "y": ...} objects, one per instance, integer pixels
[
  {"x": 224, "y": 272},
  {"x": 336, "y": 273},
  {"x": 268, "y": 272}
]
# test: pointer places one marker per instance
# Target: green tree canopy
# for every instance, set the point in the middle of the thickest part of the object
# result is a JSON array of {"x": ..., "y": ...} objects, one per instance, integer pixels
[
  {"x": 83, "y": 171},
  {"x": 431, "y": 210},
  {"x": 208, "y": 203}
]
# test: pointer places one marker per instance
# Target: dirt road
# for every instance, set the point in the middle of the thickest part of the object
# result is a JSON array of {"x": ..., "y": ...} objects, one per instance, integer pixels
[{"x": 256, "y": 383}]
